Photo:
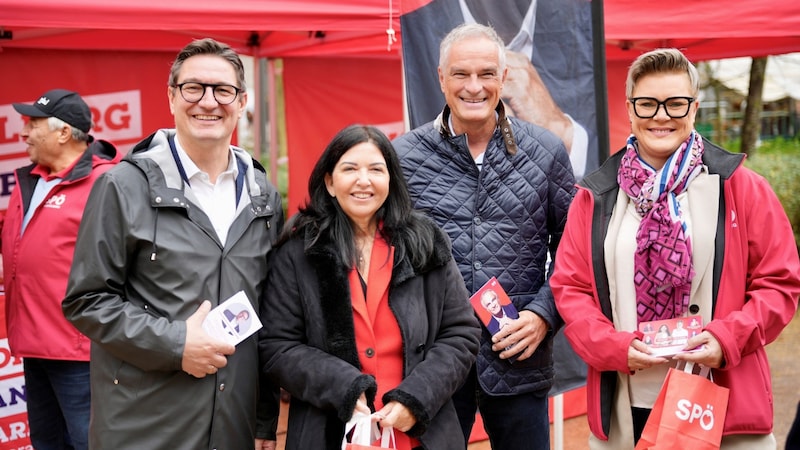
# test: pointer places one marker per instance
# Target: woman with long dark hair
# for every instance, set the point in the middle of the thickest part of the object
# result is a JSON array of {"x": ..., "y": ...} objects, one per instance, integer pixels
[{"x": 365, "y": 308}]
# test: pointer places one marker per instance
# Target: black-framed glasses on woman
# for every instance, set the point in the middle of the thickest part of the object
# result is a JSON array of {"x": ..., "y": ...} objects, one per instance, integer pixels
[
  {"x": 193, "y": 92},
  {"x": 675, "y": 107}
]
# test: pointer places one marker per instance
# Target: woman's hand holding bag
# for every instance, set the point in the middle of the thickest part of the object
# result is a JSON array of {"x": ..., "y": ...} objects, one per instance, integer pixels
[{"x": 365, "y": 434}]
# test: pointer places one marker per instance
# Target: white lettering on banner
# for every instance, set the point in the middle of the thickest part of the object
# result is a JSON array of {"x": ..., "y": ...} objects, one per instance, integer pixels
[
  {"x": 12, "y": 383},
  {"x": 9, "y": 365},
  {"x": 14, "y": 397},
  {"x": 7, "y": 181},
  {"x": 9, "y": 132},
  {"x": 13, "y": 431},
  {"x": 687, "y": 410},
  {"x": 117, "y": 117}
]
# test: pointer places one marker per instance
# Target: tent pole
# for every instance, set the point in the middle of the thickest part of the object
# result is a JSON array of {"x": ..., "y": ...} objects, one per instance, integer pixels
[
  {"x": 268, "y": 67},
  {"x": 260, "y": 114},
  {"x": 558, "y": 421}
]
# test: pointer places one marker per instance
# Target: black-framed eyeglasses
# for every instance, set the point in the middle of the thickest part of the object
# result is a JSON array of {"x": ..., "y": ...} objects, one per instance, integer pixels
[
  {"x": 193, "y": 92},
  {"x": 675, "y": 107}
]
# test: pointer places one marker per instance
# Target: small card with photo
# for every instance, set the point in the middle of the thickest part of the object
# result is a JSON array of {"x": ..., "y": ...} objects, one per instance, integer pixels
[
  {"x": 668, "y": 337},
  {"x": 493, "y": 306},
  {"x": 233, "y": 321}
]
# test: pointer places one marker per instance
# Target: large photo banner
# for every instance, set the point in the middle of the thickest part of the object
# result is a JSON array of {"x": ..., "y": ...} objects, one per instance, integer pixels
[
  {"x": 551, "y": 81},
  {"x": 550, "y": 59}
]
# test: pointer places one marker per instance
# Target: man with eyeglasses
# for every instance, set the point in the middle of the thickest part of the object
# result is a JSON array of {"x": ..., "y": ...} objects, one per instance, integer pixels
[{"x": 183, "y": 223}]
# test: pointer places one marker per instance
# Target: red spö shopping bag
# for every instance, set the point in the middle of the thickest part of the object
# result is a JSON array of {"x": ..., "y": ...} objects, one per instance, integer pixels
[{"x": 689, "y": 413}]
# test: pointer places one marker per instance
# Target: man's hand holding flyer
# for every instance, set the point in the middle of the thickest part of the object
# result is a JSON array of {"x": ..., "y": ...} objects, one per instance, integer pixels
[{"x": 233, "y": 321}]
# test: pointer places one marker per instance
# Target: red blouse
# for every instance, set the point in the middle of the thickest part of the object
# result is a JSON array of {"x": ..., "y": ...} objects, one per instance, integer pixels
[{"x": 378, "y": 337}]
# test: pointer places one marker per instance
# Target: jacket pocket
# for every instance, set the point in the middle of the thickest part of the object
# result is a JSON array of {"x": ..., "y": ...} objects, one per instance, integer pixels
[{"x": 127, "y": 380}]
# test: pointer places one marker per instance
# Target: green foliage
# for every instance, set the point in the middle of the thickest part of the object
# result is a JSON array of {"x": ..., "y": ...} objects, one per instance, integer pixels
[
  {"x": 781, "y": 146},
  {"x": 778, "y": 161}
]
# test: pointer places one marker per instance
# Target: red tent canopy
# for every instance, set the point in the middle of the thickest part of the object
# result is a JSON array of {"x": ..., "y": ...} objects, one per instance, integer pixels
[
  {"x": 258, "y": 28},
  {"x": 709, "y": 29}
]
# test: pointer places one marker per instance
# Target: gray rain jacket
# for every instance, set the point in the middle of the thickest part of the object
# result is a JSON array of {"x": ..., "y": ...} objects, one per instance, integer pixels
[{"x": 146, "y": 257}]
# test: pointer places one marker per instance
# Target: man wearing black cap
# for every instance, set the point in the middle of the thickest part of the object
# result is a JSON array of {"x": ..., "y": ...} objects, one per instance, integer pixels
[{"x": 38, "y": 240}]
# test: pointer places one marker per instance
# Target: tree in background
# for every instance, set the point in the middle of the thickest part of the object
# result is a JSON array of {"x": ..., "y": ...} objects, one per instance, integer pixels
[{"x": 751, "y": 125}]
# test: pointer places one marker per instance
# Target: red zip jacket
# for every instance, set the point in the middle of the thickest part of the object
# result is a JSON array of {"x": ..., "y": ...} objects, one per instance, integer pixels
[
  {"x": 36, "y": 265},
  {"x": 755, "y": 290}
]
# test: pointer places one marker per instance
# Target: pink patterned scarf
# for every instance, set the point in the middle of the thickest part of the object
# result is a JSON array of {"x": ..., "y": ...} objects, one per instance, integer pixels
[{"x": 663, "y": 269}]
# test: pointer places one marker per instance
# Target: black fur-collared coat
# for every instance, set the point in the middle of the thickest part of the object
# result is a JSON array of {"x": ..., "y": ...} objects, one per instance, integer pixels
[{"x": 308, "y": 343}]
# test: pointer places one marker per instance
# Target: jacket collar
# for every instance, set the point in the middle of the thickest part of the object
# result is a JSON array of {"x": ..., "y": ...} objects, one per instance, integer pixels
[
  {"x": 323, "y": 252},
  {"x": 442, "y": 122},
  {"x": 98, "y": 152},
  {"x": 718, "y": 160},
  {"x": 153, "y": 156},
  {"x": 334, "y": 287}
]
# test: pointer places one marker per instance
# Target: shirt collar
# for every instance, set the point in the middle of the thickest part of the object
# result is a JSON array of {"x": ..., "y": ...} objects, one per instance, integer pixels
[
  {"x": 443, "y": 123},
  {"x": 44, "y": 172},
  {"x": 191, "y": 169}
]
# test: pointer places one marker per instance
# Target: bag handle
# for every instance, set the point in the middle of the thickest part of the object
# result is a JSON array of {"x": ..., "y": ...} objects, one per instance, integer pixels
[
  {"x": 704, "y": 372},
  {"x": 387, "y": 438},
  {"x": 365, "y": 431}
]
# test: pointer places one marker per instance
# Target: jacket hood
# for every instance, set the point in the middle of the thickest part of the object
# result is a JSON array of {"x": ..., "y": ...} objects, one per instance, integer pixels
[
  {"x": 98, "y": 153},
  {"x": 153, "y": 155},
  {"x": 105, "y": 150}
]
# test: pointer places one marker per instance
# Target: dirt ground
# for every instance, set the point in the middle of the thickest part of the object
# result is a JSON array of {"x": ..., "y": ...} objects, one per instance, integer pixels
[{"x": 785, "y": 365}]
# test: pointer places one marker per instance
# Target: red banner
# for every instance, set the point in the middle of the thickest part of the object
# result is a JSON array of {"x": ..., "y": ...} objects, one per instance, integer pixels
[
  {"x": 118, "y": 87},
  {"x": 13, "y": 415},
  {"x": 323, "y": 95}
]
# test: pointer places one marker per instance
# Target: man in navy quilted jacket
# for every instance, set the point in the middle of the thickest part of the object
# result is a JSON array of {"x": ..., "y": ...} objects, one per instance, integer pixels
[{"x": 500, "y": 188}]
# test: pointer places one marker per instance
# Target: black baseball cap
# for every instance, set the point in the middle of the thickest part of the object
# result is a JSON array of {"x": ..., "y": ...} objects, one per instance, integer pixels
[{"x": 62, "y": 104}]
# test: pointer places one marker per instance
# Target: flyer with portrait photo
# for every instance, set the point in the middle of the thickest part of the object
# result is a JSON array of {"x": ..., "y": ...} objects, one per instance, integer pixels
[
  {"x": 493, "y": 306},
  {"x": 668, "y": 337},
  {"x": 233, "y": 321}
]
